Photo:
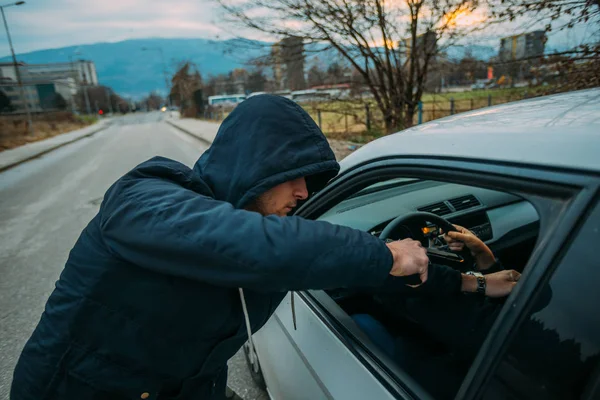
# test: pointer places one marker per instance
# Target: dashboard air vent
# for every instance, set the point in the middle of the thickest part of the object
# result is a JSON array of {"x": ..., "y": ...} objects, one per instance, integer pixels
[
  {"x": 437, "y": 208},
  {"x": 464, "y": 202}
]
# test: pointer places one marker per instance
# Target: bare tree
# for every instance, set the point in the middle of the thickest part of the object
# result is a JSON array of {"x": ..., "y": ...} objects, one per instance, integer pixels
[
  {"x": 316, "y": 76},
  {"x": 557, "y": 14},
  {"x": 256, "y": 81},
  {"x": 575, "y": 68},
  {"x": 186, "y": 81},
  {"x": 390, "y": 44},
  {"x": 98, "y": 98},
  {"x": 335, "y": 73},
  {"x": 153, "y": 101}
]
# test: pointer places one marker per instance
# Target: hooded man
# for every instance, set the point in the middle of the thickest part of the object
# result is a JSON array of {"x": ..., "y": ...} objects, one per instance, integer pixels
[{"x": 147, "y": 306}]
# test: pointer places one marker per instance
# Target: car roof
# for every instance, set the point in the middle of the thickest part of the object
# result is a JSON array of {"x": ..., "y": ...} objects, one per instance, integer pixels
[{"x": 556, "y": 131}]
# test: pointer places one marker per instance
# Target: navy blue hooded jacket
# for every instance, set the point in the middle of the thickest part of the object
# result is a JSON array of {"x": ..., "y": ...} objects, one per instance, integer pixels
[{"x": 147, "y": 305}]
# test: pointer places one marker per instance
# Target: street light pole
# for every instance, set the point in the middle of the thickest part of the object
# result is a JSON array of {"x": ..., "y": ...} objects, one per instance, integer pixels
[
  {"x": 18, "y": 74},
  {"x": 108, "y": 96},
  {"x": 162, "y": 57},
  {"x": 83, "y": 86},
  {"x": 87, "y": 98},
  {"x": 73, "y": 103}
]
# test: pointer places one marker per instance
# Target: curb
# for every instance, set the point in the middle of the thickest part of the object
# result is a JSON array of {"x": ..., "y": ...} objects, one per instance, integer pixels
[
  {"x": 48, "y": 150},
  {"x": 189, "y": 133}
]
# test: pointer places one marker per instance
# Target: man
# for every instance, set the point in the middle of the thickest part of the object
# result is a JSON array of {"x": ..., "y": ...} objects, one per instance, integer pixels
[{"x": 148, "y": 306}]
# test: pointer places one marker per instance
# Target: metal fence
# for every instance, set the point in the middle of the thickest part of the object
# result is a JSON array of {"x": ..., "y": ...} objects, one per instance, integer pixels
[
  {"x": 356, "y": 119},
  {"x": 345, "y": 119}
]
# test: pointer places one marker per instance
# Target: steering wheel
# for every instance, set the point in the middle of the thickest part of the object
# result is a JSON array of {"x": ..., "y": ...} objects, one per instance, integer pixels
[{"x": 412, "y": 225}]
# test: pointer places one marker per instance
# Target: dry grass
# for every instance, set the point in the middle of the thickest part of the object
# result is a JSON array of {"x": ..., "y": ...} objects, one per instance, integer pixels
[
  {"x": 13, "y": 129},
  {"x": 346, "y": 120}
]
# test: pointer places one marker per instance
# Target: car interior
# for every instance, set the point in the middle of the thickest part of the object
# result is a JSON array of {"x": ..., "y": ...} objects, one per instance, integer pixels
[{"x": 422, "y": 209}]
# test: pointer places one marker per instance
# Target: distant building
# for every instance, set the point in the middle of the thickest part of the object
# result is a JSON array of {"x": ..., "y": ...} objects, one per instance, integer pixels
[
  {"x": 519, "y": 47},
  {"x": 12, "y": 91},
  {"x": 40, "y": 96},
  {"x": 82, "y": 71},
  {"x": 288, "y": 64},
  {"x": 426, "y": 43},
  {"x": 42, "y": 82},
  {"x": 279, "y": 82}
]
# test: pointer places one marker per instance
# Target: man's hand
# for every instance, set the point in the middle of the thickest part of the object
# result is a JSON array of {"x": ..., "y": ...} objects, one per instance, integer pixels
[
  {"x": 484, "y": 258},
  {"x": 500, "y": 284},
  {"x": 410, "y": 258}
]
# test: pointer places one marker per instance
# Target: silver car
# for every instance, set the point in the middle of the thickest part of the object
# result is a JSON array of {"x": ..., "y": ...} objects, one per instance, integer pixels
[{"x": 525, "y": 178}]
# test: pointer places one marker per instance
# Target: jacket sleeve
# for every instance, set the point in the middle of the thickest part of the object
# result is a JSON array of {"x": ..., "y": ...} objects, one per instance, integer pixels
[
  {"x": 442, "y": 281},
  {"x": 157, "y": 225}
]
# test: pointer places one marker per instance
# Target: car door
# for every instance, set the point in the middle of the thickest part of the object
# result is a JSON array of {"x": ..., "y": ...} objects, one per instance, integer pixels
[
  {"x": 555, "y": 351},
  {"x": 314, "y": 350},
  {"x": 305, "y": 359}
]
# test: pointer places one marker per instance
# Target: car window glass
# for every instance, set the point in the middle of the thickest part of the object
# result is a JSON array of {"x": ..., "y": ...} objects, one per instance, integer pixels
[
  {"x": 434, "y": 332},
  {"x": 386, "y": 185},
  {"x": 558, "y": 346}
]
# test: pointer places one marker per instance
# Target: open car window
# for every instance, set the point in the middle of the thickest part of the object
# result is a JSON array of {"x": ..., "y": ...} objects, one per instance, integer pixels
[{"x": 432, "y": 336}]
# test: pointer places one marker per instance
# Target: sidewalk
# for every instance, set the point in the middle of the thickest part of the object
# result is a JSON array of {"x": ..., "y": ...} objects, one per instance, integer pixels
[
  {"x": 202, "y": 130},
  {"x": 13, "y": 157}
]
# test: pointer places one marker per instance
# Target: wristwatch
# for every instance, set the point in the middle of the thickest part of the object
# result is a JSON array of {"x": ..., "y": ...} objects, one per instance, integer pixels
[{"x": 480, "y": 281}]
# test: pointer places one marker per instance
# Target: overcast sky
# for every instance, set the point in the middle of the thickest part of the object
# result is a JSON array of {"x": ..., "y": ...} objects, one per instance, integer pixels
[{"x": 42, "y": 24}]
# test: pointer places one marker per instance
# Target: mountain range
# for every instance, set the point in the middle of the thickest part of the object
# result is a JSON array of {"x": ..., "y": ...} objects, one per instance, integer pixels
[{"x": 134, "y": 72}]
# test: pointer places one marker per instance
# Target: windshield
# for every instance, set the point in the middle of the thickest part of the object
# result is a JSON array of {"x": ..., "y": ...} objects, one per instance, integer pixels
[{"x": 392, "y": 183}]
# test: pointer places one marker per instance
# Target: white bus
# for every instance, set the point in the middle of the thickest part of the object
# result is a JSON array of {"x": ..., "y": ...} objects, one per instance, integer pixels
[{"x": 228, "y": 99}]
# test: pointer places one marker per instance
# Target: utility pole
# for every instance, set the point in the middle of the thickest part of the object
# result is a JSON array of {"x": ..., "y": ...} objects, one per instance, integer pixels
[
  {"x": 109, "y": 102},
  {"x": 84, "y": 86},
  {"x": 87, "y": 98},
  {"x": 24, "y": 98},
  {"x": 162, "y": 57},
  {"x": 73, "y": 105}
]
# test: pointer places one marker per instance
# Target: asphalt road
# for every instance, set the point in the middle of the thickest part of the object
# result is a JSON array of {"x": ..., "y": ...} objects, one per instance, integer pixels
[{"x": 44, "y": 205}]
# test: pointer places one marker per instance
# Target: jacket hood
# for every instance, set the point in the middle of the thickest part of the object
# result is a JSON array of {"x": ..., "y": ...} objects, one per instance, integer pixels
[{"x": 265, "y": 141}]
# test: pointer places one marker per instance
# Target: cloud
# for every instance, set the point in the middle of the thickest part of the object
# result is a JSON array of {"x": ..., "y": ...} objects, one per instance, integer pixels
[{"x": 41, "y": 24}]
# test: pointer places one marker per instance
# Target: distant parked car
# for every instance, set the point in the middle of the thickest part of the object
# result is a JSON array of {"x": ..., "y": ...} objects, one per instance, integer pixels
[
  {"x": 478, "y": 86},
  {"x": 226, "y": 100},
  {"x": 525, "y": 178}
]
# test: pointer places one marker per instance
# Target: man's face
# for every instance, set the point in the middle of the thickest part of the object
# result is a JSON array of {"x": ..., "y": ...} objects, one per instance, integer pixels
[{"x": 281, "y": 199}]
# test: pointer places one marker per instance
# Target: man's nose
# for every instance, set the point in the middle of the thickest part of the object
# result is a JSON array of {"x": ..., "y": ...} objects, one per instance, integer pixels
[{"x": 300, "y": 190}]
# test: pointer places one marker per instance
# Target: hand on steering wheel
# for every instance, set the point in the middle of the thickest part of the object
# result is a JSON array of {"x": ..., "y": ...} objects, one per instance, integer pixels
[
  {"x": 410, "y": 225},
  {"x": 484, "y": 258},
  {"x": 410, "y": 258},
  {"x": 412, "y": 220}
]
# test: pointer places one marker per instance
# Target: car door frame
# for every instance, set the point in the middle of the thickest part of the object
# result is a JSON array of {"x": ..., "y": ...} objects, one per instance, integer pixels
[{"x": 572, "y": 190}]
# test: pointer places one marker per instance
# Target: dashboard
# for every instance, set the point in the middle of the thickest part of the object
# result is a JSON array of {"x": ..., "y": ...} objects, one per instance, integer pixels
[{"x": 500, "y": 219}]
